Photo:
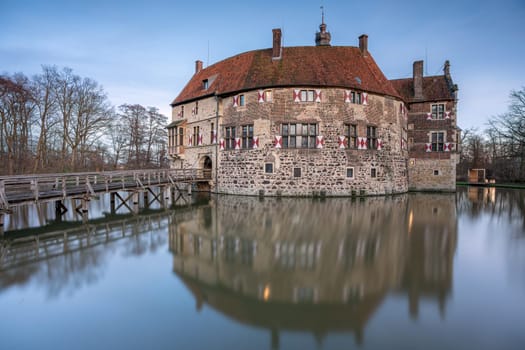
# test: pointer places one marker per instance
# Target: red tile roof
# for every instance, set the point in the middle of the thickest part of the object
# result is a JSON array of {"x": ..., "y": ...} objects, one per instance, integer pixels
[
  {"x": 316, "y": 66},
  {"x": 435, "y": 88}
]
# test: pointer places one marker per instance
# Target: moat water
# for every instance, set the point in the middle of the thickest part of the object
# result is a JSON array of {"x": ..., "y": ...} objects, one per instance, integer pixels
[{"x": 415, "y": 271}]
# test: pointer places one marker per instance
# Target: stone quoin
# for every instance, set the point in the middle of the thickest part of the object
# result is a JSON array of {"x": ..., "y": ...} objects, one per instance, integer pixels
[{"x": 315, "y": 121}]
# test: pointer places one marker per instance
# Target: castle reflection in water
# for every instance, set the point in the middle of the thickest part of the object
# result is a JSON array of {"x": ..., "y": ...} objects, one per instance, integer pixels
[{"x": 315, "y": 265}]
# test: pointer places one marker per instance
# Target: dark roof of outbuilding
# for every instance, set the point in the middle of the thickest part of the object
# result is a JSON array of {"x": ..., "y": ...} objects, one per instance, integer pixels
[
  {"x": 315, "y": 66},
  {"x": 435, "y": 88}
]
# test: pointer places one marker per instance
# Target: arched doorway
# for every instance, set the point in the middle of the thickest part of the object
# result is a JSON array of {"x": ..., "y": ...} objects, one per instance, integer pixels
[{"x": 207, "y": 165}]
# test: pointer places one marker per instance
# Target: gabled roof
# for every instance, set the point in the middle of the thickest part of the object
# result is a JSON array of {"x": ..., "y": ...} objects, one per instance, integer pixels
[
  {"x": 312, "y": 66},
  {"x": 435, "y": 88}
]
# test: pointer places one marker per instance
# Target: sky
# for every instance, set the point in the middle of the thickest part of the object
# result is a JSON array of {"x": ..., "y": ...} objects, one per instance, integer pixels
[{"x": 144, "y": 52}]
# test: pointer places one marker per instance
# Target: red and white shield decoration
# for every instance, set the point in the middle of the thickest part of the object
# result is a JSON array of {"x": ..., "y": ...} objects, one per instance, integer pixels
[
  {"x": 447, "y": 114},
  {"x": 297, "y": 95},
  {"x": 379, "y": 144},
  {"x": 429, "y": 116},
  {"x": 448, "y": 147},
  {"x": 428, "y": 147},
  {"x": 193, "y": 111},
  {"x": 361, "y": 143},
  {"x": 235, "y": 101},
  {"x": 237, "y": 143},
  {"x": 221, "y": 144},
  {"x": 348, "y": 95},
  {"x": 342, "y": 142},
  {"x": 214, "y": 137},
  {"x": 179, "y": 114},
  {"x": 260, "y": 96},
  {"x": 364, "y": 98},
  {"x": 278, "y": 141},
  {"x": 320, "y": 142},
  {"x": 317, "y": 96},
  {"x": 199, "y": 141},
  {"x": 190, "y": 140},
  {"x": 255, "y": 142}
]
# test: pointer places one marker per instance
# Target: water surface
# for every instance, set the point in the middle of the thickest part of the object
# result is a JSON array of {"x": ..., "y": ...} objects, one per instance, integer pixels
[{"x": 414, "y": 271}]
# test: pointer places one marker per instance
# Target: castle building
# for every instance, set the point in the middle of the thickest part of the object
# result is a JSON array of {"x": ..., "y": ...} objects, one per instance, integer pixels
[{"x": 315, "y": 120}]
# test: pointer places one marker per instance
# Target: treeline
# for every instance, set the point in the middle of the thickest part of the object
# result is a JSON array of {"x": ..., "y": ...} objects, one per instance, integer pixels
[
  {"x": 500, "y": 148},
  {"x": 57, "y": 121}
]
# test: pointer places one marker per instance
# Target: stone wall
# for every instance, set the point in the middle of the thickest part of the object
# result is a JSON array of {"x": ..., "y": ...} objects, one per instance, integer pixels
[
  {"x": 432, "y": 174},
  {"x": 201, "y": 113},
  {"x": 323, "y": 171},
  {"x": 431, "y": 171}
]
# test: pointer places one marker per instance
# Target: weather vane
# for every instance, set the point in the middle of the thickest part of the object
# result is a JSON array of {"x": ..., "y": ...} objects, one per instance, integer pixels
[{"x": 322, "y": 14}]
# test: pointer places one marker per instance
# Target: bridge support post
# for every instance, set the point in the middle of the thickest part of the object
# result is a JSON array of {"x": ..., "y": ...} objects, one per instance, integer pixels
[
  {"x": 135, "y": 199},
  {"x": 84, "y": 209},
  {"x": 172, "y": 196},
  {"x": 2, "y": 224},
  {"x": 112, "y": 203},
  {"x": 146, "y": 199},
  {"x": 189, "y": 188},
  {"x": 166, "y": 196},
  {"x": 60, "y": 210}
]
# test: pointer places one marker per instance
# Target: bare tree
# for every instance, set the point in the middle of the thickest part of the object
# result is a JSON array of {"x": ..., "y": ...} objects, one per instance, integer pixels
[
  {"x": 507, "y": 133},
  {"x": 47, "y": 119},
  {"x": 16, "y": 110},
  {"x": 156, "y": 137},
  {"x": 133, "y": 118}
]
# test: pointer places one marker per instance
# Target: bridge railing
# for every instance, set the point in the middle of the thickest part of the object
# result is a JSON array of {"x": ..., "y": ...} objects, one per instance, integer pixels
[{"x": 34, "y": 187}]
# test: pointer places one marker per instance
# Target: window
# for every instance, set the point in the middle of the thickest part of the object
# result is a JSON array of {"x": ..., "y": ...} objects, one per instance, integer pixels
[
  {"x": 438, "y": 141},
  {"x": 268, "y": 96},
  {"x": 196, "y": 110},
  {"x": 436, "y": 172},
  {"x": 299, "y": 135},
  {"x": 181, "y": 136},
  {"x": 371, "y": 137},
  {"x": 182, "y": 111},
  {"x": 307, "y": 95},
  {"x": 350, "y": 133},
  {"x": 373, "y": 172},
  {"x": 438, "y": 111},
  {"x": 247, "y": 136},
  {"x": 296, "y": 172},
  {"x": 268, "y": 168},
  {"x": 229, "y": 137},
  {"x": 350, "y": 173},
  {"x": 205, "y": 84},
  {"x": 212, "y": 129},
  {"x": 241, "y": 100},
  {"x": 356, "y": 97},
  {"x": 172, "y": 139},
  {"x": 195, "y": 140}
]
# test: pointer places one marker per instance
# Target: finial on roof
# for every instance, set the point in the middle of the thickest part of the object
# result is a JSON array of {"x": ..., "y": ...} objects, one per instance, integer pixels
[{"x": 322, "y": 38}]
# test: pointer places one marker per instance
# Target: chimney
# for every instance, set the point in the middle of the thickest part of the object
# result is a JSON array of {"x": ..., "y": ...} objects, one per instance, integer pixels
[
  {"x": 363, "y": 44},
  {"x": 418, "y": 79},
  {"x": 198, "y": 66},
  {"x": 277, "y": 49}
]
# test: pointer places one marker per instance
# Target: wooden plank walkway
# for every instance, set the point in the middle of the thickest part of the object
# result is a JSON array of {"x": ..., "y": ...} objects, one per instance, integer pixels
[{"x": 23, "y": 189}]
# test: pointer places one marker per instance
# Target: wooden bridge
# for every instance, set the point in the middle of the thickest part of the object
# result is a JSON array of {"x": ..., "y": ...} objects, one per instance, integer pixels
[{"x": 24, "y": 189}]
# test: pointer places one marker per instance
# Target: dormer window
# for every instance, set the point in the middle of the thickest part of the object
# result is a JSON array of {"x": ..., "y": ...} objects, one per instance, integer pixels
[{"x": 205, "y": 84}]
